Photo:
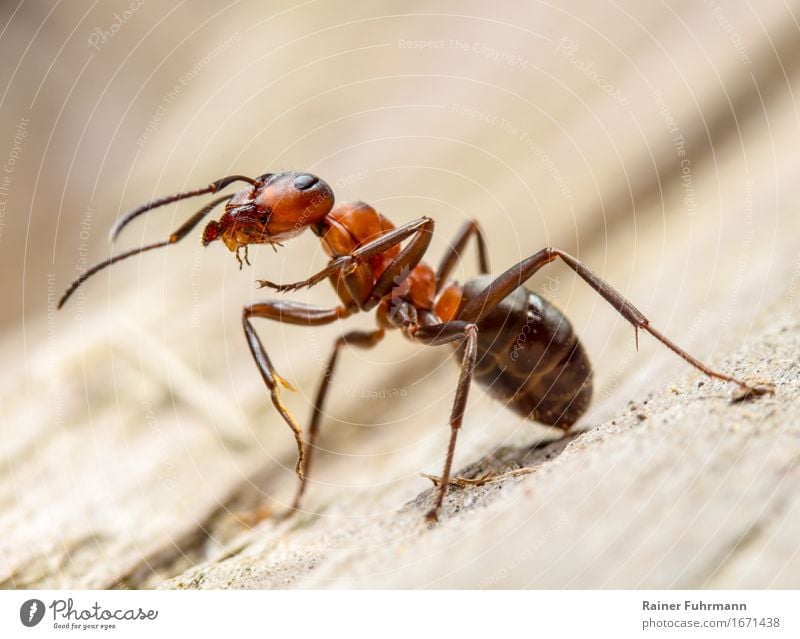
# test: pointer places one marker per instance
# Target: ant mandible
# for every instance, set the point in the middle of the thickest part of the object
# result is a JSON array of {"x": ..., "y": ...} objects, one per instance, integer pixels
[{"x": 510, "y": 340}]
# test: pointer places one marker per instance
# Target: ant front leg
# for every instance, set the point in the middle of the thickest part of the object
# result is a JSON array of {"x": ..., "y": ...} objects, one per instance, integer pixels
[
  {"x": 455, "y": 250},
  {"x": 514, "y": 277},
  {"x": 290, "y": 313},
  {"x": 400, "y": 267},
  {"x": 444, "y": 334},
  {"x": 409, "y": 257},
  {"x": 361, "y": 339}
]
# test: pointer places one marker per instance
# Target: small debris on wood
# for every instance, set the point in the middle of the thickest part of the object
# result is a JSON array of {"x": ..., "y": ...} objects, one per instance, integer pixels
[{"x": 483, "y": 480}]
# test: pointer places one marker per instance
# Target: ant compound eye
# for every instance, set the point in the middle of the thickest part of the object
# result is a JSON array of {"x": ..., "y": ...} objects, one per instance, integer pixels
[{"x": 305, "y": 181}]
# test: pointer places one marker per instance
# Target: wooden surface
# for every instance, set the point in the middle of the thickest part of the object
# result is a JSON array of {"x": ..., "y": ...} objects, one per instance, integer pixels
[{"x": 135, "y": 429}]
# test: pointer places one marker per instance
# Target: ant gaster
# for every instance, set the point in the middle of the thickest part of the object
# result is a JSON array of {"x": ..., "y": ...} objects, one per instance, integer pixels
[{"x": 510, "y": 340}]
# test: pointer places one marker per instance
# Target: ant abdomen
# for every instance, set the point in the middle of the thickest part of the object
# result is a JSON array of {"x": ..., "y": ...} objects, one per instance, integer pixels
[{"x": 530, "y": 358}]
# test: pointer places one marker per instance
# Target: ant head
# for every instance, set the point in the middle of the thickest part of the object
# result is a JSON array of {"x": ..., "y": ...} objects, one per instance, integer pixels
[{"x": 276, "y": 207}]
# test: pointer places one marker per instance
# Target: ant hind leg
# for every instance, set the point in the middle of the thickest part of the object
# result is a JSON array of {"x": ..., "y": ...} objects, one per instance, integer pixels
[
  {"x": 445, "y": 333},
  {"x": 517, "y": 275}
]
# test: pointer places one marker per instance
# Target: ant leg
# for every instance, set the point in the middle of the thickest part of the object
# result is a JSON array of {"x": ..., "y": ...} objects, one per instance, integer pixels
[
  {"x": 514, "y": 277},
  {"x": 400, "y": 267},
  {"x": 409, "y": 257},
  {"x": 289, "y": 313},
  {"x": 361, "y": 339},
  {"x": 444, "y": 334},
  {"x": 395, "y": 272},
  {"x": 635, "y": 317},
  {"x": 174, "y": 237},
  {"x": 367, "y": 295},
  {"x": 457, "y": 248},
  {"x": 502, "y": 286}
]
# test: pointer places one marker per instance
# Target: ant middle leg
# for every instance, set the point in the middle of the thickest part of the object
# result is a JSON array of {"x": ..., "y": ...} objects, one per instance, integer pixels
[
  {"x": 361, "y": 339},
  {"x": 514, "y": 277}
]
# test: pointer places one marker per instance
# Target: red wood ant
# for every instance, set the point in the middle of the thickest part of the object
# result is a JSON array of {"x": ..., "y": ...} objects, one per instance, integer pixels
[{"x": 510, "y": 340}]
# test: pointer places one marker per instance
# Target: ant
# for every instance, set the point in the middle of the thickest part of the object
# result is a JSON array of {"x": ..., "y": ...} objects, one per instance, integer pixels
[{"x": 517, "y": 345}]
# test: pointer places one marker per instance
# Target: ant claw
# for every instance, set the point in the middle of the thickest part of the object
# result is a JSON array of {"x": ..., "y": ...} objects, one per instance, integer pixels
[
  {"x": 251, "y": 518},
  {"x": 284, "y": 288},
  {"x": 431, "y": 518},
  {"x": 747, "y": 392},
  {"x": 280, "y": 288},
  {"x": 285, "y": 514}
]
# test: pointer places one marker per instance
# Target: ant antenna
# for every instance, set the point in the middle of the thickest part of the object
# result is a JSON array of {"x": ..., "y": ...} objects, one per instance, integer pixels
[
  {"x": 178, "y": 235},
  {"x": 220, "y": 184}
]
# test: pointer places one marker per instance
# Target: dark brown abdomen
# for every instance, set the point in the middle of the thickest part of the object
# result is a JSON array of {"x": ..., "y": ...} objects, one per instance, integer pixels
[{"x": 530, "y": 358}]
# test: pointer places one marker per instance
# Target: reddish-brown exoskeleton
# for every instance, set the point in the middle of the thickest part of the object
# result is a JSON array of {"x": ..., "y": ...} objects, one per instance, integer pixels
[{"x": 545, "y": 376}]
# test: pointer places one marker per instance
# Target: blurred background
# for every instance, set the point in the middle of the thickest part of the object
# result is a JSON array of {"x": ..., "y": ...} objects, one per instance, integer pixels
[{"x": 656, "y": 141}]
